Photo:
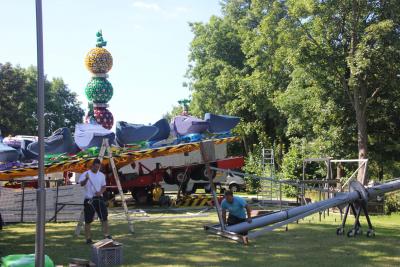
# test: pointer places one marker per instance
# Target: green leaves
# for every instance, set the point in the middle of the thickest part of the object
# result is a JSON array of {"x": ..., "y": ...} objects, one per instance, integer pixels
[
  {"x": 313, "y": 77},
  {"x": 18, "y": 102}
]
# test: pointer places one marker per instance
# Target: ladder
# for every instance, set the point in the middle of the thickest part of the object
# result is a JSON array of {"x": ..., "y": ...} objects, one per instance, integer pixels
[
  {"x": 269, "y": 190},
  {"x": 268, "y": 162},
  {"x": 105, "y": 147}
]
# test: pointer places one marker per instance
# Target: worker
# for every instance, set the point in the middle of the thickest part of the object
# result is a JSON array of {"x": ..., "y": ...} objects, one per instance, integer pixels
[
  {"x": 94, "y": 182},
  {"x": 237, "y": 208}
]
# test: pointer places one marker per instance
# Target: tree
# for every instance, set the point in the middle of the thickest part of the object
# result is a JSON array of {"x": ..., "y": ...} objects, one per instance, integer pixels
[
  {"x": 18, "y": 102},
  {"x": 355, "y": 44},
  {"x": 318, "y": 77}
]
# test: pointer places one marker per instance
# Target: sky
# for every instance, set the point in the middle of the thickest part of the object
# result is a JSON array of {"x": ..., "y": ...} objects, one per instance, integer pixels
[{"x": 148, "y": 39}]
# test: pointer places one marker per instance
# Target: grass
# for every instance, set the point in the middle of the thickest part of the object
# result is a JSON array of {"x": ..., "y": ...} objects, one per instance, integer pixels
[{"x": 182, "y": 242}]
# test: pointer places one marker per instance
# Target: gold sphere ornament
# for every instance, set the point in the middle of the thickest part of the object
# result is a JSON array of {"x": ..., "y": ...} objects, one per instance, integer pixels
[{"x": 98, "y": 60}]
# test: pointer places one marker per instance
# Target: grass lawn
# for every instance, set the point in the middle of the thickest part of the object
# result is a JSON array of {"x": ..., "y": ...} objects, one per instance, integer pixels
[{"x": 182, "y": 242}]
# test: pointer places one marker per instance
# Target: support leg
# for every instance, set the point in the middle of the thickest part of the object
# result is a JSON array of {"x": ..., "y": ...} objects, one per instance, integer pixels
[
  {"x": 340, "y": 230},
  {"x": 356, "y": 230},
  {"x": 371, "y": 231}
]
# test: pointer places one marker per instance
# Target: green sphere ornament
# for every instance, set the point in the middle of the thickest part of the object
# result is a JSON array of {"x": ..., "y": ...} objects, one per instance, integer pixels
[{"x": 99, "y": 90}]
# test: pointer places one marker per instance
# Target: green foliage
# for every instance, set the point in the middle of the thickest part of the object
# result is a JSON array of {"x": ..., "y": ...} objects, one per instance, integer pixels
[
  {"x": 18, "y": 102},
  {"x": 307, "y": 77},
  {"x": 253, "y": 166},
  {"x": 392, "y": 203}
]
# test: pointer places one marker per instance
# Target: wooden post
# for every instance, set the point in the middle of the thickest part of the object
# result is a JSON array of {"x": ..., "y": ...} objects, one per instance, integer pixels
[{"x": 118, "y": 182}]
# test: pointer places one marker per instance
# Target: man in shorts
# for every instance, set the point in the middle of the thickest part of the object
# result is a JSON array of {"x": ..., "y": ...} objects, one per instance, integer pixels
[
  {"x": 237, "y": 207},
  {"x": 94, "y": 182}
]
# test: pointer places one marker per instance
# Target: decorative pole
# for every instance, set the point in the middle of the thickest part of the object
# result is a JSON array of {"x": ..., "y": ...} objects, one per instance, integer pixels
[{"x": 99, "y": 90}]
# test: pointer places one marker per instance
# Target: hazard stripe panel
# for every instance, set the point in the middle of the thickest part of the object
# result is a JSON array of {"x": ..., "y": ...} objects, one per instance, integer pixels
[{"x": 121, "y": 159}]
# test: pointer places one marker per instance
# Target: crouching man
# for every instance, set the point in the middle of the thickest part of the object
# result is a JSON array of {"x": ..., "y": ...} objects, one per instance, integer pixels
[
  {"x": 94, "y": 182},
  {"x": 237, "y": 208}
]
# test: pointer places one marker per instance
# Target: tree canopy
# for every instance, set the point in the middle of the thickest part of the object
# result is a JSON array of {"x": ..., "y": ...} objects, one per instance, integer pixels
[
  {"x": 307, "y": 77},
  {"x": 18, "y": 103}
]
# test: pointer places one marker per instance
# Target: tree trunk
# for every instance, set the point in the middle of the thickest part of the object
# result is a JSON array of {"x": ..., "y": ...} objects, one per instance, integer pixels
[
  {"x": 362, "y": 136},
  {"x": 359, "y": 94}
]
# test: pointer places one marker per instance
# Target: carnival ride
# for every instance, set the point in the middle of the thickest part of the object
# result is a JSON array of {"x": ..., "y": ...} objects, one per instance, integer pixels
[
  {"x": 144, "y": 156},
  {"x": 140, "y": 157}
]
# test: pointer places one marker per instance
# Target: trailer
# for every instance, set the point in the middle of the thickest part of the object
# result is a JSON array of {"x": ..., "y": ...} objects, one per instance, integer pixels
[
  {"x": 141, "y": 171},
  {"x": 141, "y": 177}
]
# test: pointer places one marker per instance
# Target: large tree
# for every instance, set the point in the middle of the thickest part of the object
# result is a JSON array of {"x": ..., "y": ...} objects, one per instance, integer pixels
[
  {"x": 356, "y": 46},
  {"x": 18, "y": 102},
  {"x": 323, "y": 74}
]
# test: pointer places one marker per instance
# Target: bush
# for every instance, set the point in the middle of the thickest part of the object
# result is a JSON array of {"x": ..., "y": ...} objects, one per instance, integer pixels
[
  {"x": 392, "y": 202},
  {"x": 253, "y": 166}
]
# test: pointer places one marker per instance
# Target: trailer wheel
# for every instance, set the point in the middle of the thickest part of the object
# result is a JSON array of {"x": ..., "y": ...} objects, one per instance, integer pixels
[
  {"x": 181, "y": 177},
  {"x": 140, "y": 195},
  {"x": 201, "y": 174},
  {"x": 234, "y": 188},
  {"x": 169, "y": 179}
]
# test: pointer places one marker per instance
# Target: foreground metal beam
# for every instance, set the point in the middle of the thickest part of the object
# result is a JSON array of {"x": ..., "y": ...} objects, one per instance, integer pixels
[
  {"x": 358, "y": 192},
  {"x": 41, "y": 197}
]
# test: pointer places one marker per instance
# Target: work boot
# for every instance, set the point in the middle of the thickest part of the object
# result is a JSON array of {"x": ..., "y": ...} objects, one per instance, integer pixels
[
  {"x": 108, "y": 237},
  {"x": 89, "y": 241}
]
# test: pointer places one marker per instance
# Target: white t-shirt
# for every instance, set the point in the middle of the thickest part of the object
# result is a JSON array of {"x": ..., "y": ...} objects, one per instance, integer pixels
[{"x": 94, "y": 184}]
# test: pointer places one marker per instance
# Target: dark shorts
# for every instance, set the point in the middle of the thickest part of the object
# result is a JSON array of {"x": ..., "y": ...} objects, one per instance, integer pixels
[
  {"x": 95, "y": 205},
  {"x": 232, "y": 220}
]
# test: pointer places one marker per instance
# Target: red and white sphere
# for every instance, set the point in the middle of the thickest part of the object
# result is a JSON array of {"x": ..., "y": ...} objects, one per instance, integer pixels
[{"x": 104, "y": 117}]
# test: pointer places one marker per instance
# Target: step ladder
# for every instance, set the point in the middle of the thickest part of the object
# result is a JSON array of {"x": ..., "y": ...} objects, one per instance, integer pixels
[
  {"x": 105, "y": 148},
  {"x": 268, "y": 190}
]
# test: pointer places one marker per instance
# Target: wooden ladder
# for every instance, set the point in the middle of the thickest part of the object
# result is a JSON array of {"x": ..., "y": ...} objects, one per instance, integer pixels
[{"x": 105, "y": 147}]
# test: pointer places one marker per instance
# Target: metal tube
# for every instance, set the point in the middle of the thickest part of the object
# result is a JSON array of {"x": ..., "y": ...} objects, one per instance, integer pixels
[
  {"x": 340, "y": 199},
  {"x": 41, "y": 197}
]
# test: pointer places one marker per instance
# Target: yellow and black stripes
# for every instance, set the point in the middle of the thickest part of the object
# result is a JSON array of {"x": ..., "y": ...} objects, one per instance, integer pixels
[
  {"x": 195, "y": 201},
  {"x": 121, "y": 158}
]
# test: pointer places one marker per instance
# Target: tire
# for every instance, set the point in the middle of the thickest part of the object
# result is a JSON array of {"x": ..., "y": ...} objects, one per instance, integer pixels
[
  {"x": 201, "y": 174},
  {"x": 234, "y": 188},
  {"x": 181, "y": 180},
  {"x": 181, "y": 177},
  {"x": 140, "y": 195},
  {"x": 169, "y": 179}
]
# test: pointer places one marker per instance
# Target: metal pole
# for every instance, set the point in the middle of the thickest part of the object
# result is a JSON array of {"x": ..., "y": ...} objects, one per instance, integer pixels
[
  {"x": 23, "y": 201},
  {"x": 41, "y": 197},
  {"x": 314, "y": 207},
  {"x": 207, "y": 151}
]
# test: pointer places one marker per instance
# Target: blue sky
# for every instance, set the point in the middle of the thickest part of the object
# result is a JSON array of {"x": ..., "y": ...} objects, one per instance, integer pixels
[{"x": 148, "y": 39}]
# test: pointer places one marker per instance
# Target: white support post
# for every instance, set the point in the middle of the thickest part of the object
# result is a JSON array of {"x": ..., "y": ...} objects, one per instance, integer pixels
[{"x": 207, "y": 150}]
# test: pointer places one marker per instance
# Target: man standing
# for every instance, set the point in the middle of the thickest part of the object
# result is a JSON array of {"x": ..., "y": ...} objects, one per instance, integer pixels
[
  {"x": 237, "y": 208},
  {"x": 94, "y": 182}
]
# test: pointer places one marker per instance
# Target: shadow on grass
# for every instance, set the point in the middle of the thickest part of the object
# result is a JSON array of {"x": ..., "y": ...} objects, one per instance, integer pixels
[{"x": 182, "y": 242}]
